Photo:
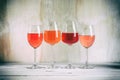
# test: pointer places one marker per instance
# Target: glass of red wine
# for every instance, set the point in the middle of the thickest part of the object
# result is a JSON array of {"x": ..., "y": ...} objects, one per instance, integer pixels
[
  {"x": 35, "y": 38},
  {"x": 70, "y": 35},
  {"x": 87, "y": 38},
  {"x": 52, "y": 36}
]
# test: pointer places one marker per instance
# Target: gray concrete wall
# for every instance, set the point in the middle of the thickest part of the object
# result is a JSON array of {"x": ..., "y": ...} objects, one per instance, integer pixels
[{"x": 17, "y": 15}]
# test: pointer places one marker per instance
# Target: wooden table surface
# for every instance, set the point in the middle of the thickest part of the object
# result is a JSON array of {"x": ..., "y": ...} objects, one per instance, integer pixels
[{"x": 20, "y": 72}]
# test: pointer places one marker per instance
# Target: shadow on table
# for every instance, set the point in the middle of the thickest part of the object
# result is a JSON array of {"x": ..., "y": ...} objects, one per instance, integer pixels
[{"x": 113, "y": 65}]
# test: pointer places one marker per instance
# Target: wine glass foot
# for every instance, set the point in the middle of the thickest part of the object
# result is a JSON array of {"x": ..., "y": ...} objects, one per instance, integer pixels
[
  {"x": 32, "y": 67},
  {"x": 52, "y": 66},
  {"x": 35, "y": 67},
  {"x": 81, "y": 67},
  {"x": 89, "y": 67},
  {"x": 70, "y": 66}
]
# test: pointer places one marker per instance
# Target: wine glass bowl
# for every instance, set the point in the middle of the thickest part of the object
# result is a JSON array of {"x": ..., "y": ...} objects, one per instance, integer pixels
[
  {"x": 87, "y": 36},
  {"x": 52, "y": 34},
  {"x": 87, "y": 40},
  {"x": 70, "y": 34},
  {"x": 35, "y": 38}
]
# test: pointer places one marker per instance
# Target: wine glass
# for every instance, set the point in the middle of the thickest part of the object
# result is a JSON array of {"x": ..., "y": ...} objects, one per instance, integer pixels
[
  {"x": 87, "y": 38},
  {"x": 35, "y": 38},
  {"x": 70, "y": 35},
  {"x": 52, "y": 36}
]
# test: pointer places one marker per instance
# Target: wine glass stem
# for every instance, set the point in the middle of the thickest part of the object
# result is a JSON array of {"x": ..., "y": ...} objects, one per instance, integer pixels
[
  {"x": 53, "y": 58},
  {"x": 35, "y": 55},
  {"x": 69, "y": 63},
  {"x": 86, "y": 63}
]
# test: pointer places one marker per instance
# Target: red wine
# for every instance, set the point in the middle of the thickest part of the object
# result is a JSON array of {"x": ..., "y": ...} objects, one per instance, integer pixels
[
  {"x": 69, "y": 38},
  {"x": 87, "y": 40},
  {"x": 35, "y": 39}
]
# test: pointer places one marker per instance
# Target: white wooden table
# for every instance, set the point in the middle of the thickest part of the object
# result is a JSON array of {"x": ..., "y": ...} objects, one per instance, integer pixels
[{"x": 20, "y": 72}]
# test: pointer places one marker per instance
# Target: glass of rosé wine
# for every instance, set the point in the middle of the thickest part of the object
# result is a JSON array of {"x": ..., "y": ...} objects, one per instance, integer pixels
[
  {"x": 52, "y": 36},
  {"x": 35, "y": 38},
  {"x": 70, "y": 35},
  {"x": 87, "y": 38}
]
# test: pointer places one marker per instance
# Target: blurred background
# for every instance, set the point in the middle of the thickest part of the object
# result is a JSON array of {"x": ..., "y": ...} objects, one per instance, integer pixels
[{"x": 17, "y": 15}]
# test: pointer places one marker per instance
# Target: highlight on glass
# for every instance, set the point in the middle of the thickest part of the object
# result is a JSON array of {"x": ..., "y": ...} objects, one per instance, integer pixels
[
  {"x": 87, "y": 38},
  {"x": 35, "y": 38}
]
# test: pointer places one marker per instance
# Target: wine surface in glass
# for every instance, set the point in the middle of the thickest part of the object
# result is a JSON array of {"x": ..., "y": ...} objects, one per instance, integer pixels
[
  {"x": 87, "y": 40},
  {"x": 35, "y": 39},
  {"x": 52, "y": 36},
  {"x": 69, "y": 38}
]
